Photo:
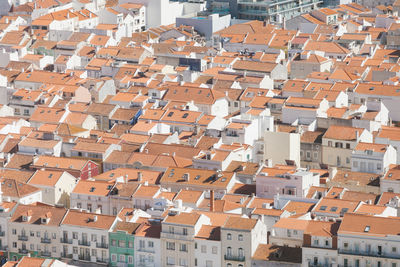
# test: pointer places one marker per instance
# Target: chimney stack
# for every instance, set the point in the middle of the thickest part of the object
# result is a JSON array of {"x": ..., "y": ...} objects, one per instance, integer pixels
[
  {"x": 212, "y": 200},
  {"x": 139, "y": 176}
]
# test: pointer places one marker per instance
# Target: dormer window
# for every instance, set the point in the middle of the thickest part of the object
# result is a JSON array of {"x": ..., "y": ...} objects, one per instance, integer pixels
[{"x": 25, "y": 218}]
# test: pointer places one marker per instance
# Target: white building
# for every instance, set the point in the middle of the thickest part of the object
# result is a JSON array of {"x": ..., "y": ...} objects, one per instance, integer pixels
[
  {"x": 148, "y": 245},
  {"x": 84, "y": 236},
  {"x": 56, "y": 186},
  {"x": 365, "y": 240},
  {"x": 372, "y": 158},
  {"x": 295, "y": 184}
]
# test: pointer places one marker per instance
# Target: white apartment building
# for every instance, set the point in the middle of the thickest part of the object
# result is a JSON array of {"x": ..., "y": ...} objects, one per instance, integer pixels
[
  {"x": 240, "y": 238},
  {"x": 207, "y": 247},
  {"x": 320, "y": 244},
  {"x": 56, "y": 186},
  {"x": 365, "y": 240},
  {"x": 177, "y": 237},
  {"x": 34, "y": 229},
  {"x": 294, "y": 184},
  {"x": 84, "y": 236},
  {"x": 148, "y": 244},
  {"x": 372, "y": 158}
]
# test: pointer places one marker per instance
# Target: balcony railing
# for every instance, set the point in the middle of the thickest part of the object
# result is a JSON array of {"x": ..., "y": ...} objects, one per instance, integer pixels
[
  {"x": 22, "y": 251},
  {"x": 146, "y": 250},
  {"x": 84, "y": 257},
  {"x": 23, "y": 238},
  {"x": 45, "y": 254},
  {"x": 66, "y": 255},
  {"x": 84, "y": 243},
  {"x": 102, "y": 260},
  {"x": 369, "y": 254},
  {"x": 101, "y": 245},
  {"x": 66, "y": 241},
  {"x": 234, "y": 258},
  {"x": 45, "y": 240},
  {"x": 176, "y": 236}
]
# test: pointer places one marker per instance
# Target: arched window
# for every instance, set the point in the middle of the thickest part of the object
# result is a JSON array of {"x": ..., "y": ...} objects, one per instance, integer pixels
[
  {"x": 240, "y": 237},
  {"x": 240, "y": 252},
  {"x": 229, "y": 236},
  {"x": 229, "y": 251}
]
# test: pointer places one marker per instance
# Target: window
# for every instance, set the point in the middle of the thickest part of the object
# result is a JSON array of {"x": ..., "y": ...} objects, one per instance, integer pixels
[
  {"x": 355, "y": 164},
  {"x": 316, "y": 242},
  {"x": 229, "y": 236},
  {"x": 240, "y": 237},
  {"x": 113, "y": 242},
  {"x": 130, "y": 259},
  {"x": 14, "y": 244},
  {"x": 121, "y": 243},
  {"x": 130, "y": 244},
  {"x": 170, "y": 261},
  {"x": 171, "y": 230},
  {"x": 54, "y": 249},
  {"x": 32, "y": 233},
  {"x": 229, "y": 251},
  {"x": 240, "y": 252},
  {"x": 203, "y": 249},
  {"x": 379, "y": 166},
  {"x": 214, "y": 250},
  {"x": 113, "y": 257},
  {"x": 347, "y": 160},
  {"x": 346, "y": 245},
  {"x": 183, "y": 262},
  {"x": 185, "y": 232},
  {"x": 94, "y": 238},
  {"x": 94, "y": 252},
  {"x": 150, "y": 244},
  {"x": 75, "y": 250},
  {"x": 348, "y": 146},
  {"x": 394, "y": 249},
  {"x": 183, "y": 247},
  {"x": 121, "y": 258},
  {"x": 170, "y": 246},
  {"x": 329, "y": 143},
  {"x": 14, "y": 231},
  {"x": 74, "y": 235}
]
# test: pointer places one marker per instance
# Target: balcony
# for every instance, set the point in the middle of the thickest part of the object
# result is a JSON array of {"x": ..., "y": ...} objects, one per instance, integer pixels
[
  {"x": 66, "y": 255},
  {"x": 234, "y": 258},
  {"x": 23, "y": 238},
  {"x": 146, "y": 250},
  {"x": 176, "y": 236},
  {"x": 2, "y": 233},
  {"x": 45, "y": 254},
  {"x": 3, "y": 248},
  {"x": 101, "y": 260},
  {"x": 84, "y": 257},
  {"x": 369, "y": 254},
  {"x": 45, "y": 240},
  {"x": 66, "y": 241},
  {"x": 101, "y": 245},
  {"x": 22, "y": 251},
  {"x": 84, "y": 243}
]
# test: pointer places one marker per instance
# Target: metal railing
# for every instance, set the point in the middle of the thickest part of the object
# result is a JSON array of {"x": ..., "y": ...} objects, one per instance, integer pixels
[
  {"x": 45, "y": 240},
  {"x": 234, "y": 258}
]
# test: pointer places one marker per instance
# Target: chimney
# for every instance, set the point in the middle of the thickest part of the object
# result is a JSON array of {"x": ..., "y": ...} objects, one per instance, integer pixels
[
  {"x": 212, "y": 200},
  {"x": 139, "y": 176}
]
